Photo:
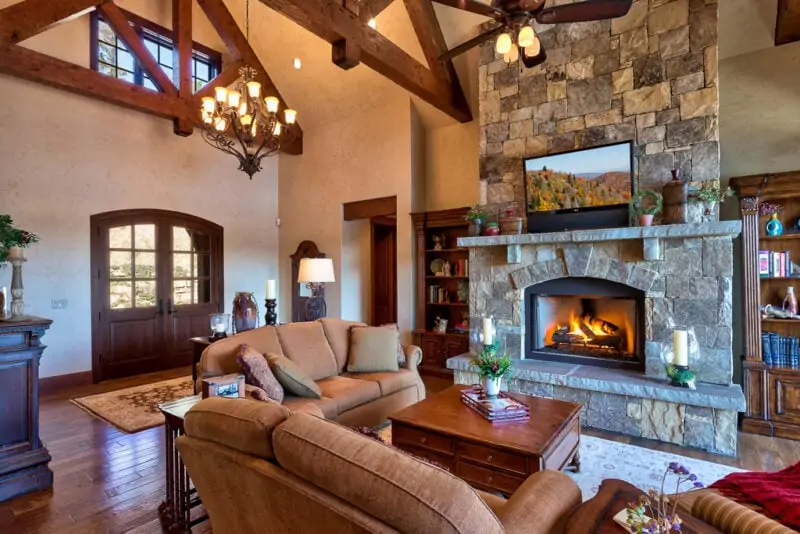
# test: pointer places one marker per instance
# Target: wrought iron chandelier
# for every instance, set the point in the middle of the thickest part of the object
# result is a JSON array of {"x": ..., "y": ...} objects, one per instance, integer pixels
[{"x": 242, "y": 122}]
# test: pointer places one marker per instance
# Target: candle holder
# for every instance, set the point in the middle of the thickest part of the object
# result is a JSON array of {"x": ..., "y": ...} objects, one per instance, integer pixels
[
  {"x": 17, "y": 312},
  {"x": 680, "y": 376},
  {"x": 271, "y": 317}
]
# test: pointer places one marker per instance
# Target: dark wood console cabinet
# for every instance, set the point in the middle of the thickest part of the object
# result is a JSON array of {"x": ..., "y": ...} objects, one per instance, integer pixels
[{"x": 23, "y": 459}]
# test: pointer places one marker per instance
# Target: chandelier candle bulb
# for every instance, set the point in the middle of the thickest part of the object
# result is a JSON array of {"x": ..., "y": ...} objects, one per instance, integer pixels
[
  {"x": 534, "y": 49},
  {"x": 243, "y": 108},
  {"x": 220, "y": 124},
  {"x": 290, "y": 116},
  {"x": 234, "y": 98},
  {"x": 271, "y": 290},
  {"x": 254, "y": 89},
  {"x": 488, "y": 331},
  {"x": 503, "y": 44},
  {"x": 526, "y": 37},
  {"x": 277, "y": 129},
  {"x": 246, "y": 120},
  {"x": 272, "y": 104},
  {"x": 221, "y": 93},
  {"x": 680, "y": 338},
  {"x": 209, "y": 104}
]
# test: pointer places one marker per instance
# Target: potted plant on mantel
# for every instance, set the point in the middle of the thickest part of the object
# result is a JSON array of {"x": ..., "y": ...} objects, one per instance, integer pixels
[
  {"x": 709, "y": 194},
  {"x": 645, "y": 204},
  {"x": 492, "y": 369},
  {"x": 13, "y": 240},
  {"x": 475, "y": 217}
]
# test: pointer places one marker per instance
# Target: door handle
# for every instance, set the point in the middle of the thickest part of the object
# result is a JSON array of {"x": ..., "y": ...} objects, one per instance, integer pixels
[
  {"x": 160, "y": 307},
  {"x": 170, "y": 309}
]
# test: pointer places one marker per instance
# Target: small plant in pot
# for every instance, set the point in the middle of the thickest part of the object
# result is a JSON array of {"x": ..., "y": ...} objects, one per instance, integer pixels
[
  {"x": 13, "y": 240},
  {"x": 709, "y": 193},
  {"x": 475, "y": 217},
  {"x": 492, "y": 369},
  {"x": 510, "y": 222},
  {"x": 645, "y": 204}
]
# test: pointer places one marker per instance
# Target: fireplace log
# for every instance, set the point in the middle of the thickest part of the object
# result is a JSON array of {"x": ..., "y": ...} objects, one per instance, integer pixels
[{"x": 600, "y": 324}]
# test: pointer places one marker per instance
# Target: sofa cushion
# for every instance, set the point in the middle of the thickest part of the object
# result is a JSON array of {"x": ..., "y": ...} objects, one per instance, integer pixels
[
  {"x": 349, "y": 393},
  {"x": 326, "y": 406},
  {"x": 306, "y": 345},
  {"x": 242, "y": 424},
  {"x": 257, "y": 372},
  {"x": 372, "y": 349},
  {"x": 404, "y": 493},
  {"x": 292, "y": 378},
  {"x": 389, "y": 382},
  {"x": 338, "y": 333}
]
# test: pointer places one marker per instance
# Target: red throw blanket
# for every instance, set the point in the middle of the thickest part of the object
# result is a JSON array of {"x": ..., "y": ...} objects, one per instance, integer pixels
[{"x": 777, "y": 494}]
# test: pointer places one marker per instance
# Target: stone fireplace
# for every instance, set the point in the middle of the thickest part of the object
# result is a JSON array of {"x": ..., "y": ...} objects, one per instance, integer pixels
[{"x": 633, "y": 286}]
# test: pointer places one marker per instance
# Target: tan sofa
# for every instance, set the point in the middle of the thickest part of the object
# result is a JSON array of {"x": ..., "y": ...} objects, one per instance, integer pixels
[
  {"x": 259, "y": 467},
  {"x": 320, "y": 349}
]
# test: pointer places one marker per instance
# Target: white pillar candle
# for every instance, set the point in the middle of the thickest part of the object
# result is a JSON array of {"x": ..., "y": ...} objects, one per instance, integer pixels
[
  {"x": 488, "y": 331},
  {"x": 220, "y": 328},
  {"x": 271, "y": 292},
  {"x": 680, "y": 338}
]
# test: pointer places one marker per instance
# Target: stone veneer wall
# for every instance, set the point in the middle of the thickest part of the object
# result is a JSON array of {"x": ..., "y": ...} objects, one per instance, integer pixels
[{"x": 649, "y": 77}]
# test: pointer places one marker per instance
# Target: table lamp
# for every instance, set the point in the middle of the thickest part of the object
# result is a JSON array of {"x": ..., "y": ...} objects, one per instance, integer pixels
[{"x": 315, "y": 273}]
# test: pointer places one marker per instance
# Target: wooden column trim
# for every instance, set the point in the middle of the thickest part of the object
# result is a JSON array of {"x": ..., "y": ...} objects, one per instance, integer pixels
[
  {"x": 25, "y": 19},
  {"x": 182, "y": 59},
  {"x": 750, "y": 291}
]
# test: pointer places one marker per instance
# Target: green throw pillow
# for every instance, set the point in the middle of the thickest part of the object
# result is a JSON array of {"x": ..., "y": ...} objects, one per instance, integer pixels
[
  {"x": 292, "y": 378},
  {"x": 373, "y": 349}
]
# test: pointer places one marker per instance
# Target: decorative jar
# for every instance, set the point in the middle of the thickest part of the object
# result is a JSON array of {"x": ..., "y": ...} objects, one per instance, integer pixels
[
  {"x": 475, "y": 227},
  {"x": 790, "y": 301},
  {"x": 491, "y": 229},
  {"x": 774, "y": 226},
  {"x": 245, "y": 312}
]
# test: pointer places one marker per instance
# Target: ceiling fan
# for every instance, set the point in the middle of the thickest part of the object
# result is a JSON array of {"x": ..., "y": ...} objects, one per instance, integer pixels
[{"x": 515, "y": 18}]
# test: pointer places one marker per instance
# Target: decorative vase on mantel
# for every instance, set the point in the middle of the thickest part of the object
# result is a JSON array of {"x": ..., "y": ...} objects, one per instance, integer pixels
[
  {"x": 475, "y": 227},
  {"x": 245, "y": 312},
  {"x": 774, "y": 226}
]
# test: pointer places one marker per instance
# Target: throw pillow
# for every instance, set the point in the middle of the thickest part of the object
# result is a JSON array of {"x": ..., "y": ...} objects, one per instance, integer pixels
[
  {"x": 372, "y": 350},
  {"x": 292, "y": 378},
  {"x": 401, "y": 354},
  {"x": 257, "y": 373}
]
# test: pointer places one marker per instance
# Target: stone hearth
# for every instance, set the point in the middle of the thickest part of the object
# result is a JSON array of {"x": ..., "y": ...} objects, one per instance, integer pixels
[{"x": 686, "y": 274}]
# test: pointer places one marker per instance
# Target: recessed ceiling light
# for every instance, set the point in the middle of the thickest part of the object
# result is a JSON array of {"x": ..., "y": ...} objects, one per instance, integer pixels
[
  {"x": 372, "y": 23},
  {"x": 297, "y": 63}
]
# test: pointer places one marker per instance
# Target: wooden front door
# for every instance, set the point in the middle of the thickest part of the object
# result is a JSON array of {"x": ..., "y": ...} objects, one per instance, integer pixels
[
  {"x": 384, "y": 270},
  {"x": 156, "y": 276}
]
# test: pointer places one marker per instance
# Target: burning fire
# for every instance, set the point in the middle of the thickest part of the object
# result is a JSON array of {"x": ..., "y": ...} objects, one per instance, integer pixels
[{"x": 576, "y": 330}]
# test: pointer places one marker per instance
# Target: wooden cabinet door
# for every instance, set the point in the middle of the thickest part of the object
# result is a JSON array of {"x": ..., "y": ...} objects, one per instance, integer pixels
[
  {"x": 431, "y": 350},
  {"x": 454, "y": 346},
  {"x": 784, "y": 393}
]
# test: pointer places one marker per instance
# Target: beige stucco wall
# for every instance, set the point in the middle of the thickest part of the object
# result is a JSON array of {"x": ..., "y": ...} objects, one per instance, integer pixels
[
  {"x": 367, "y": 155},
  {"x": 65, "y": 157},
  {"x": 356, "y": 269}
]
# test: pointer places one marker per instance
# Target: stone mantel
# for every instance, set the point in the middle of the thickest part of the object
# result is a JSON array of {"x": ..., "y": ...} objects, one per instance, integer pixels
[{"x": 651, "y": 237}]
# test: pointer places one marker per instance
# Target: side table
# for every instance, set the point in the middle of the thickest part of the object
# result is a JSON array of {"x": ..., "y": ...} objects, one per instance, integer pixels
[
  {"x": 175, "y": 512},
  {"x": 596, "y": 516},
  {"x": 199, "y": 344}
]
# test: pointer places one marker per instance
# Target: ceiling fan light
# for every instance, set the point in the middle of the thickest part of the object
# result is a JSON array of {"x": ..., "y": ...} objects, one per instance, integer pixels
[
  {"x": 512, "y": 55},
  {"x": 534, "y": 49},
  {"x": 503, "y": 44},
  {"x": 526, "y": 37}
]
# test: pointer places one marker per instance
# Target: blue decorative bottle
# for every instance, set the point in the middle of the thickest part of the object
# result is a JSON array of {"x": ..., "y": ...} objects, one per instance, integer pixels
[{"x": 774, "y": 226}]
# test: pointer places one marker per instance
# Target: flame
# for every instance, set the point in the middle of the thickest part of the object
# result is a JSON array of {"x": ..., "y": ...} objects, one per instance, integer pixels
[{"x": 576, "y": 330}]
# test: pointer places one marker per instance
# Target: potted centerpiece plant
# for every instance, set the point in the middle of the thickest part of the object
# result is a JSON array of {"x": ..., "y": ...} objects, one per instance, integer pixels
[
  {"x": 510, "y": 222},
  {"x": 656, "y": 512},
  {"x": 645, "y": 204},
  {"x": 13, "y": 240},
  {"x": 475, "y": 217},
  {"x": 492, "y": 369},
  {"x": 709, "y": 194}
]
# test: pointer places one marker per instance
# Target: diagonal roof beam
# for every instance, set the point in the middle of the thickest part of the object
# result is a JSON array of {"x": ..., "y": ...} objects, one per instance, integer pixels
[
  {"x": 333, "y": 22},
  {"x": 376, "y": 7},
  {"x": 237, "y": 44},
  {"x": 25, "y": 19}
]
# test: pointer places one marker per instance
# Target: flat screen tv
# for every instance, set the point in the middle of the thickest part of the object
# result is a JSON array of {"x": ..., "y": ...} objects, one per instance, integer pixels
[{"x": 588, "y": 188}]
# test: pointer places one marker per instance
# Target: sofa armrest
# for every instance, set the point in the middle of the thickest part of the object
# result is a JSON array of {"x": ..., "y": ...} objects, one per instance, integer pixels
[
  {"x": 413, "y": 356},
  {"x": 541, "y": 504}
]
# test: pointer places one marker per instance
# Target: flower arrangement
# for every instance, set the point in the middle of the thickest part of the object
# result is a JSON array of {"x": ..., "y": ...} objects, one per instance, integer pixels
[
  {"x": 711, "y": 191},
  {"x": 655, "y": 513},
  {"x": 11, "y": 236},
  {"x": 475, "y": 214},
  {"x": 769, "y": 208},
  {"x": 646, "y": 202},
  {"x": 489, "y": 365}
]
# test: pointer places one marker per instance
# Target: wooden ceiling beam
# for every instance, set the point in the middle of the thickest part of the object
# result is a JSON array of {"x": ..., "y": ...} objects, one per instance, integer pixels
[
  {"x": 25, "y": 19},
  {"x": 376, "y": 7},
  {"x": 121, "y": 26},
  {"x": 787, "y": 26},
  {"x": 225, "y": 25},
  {"x": 333, "y": 22},
  {"x": 182, "y": 57},
  {"x": 24, "y": 63}
]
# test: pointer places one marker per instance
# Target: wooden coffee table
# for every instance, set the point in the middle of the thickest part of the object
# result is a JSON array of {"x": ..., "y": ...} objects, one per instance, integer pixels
[
  {"x": 491, "y": 457},
  {"x": 596, "y": 516}
]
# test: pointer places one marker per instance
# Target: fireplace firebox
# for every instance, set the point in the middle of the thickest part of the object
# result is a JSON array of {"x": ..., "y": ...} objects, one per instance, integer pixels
[{"x": 586, "y": 321}]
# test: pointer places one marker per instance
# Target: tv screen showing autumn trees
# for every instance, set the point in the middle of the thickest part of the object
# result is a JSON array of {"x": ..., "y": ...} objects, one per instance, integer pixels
[{"x": 584, "y": 179}]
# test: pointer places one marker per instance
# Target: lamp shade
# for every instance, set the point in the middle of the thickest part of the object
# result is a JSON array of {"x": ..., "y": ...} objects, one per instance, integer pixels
[{"x": 316, "y": 270}]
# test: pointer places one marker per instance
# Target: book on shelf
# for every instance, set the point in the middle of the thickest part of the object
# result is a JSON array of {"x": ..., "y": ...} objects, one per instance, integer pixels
[
  {"x": 462, "y": 267},
  {"x": 776, "y": 264},
  {"x": 780, "y": 351},
  {"x": 438, "y": 295}
]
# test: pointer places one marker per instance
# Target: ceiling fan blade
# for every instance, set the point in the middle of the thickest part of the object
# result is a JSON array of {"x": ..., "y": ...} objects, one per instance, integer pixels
[
  {"x": 531, "y": 62},
  {"x": 475, "y": 41},
  {"x": 584, "y": 11},
  {"x": 474, "y": 6}
]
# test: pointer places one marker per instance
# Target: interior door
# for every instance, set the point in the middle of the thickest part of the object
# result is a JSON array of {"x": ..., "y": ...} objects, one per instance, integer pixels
[
  {"x": 384, "y": 270},
  {"x": 156, "y": 275}
]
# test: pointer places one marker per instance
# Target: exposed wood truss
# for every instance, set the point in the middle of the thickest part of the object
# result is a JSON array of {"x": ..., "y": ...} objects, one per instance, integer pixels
[
  {"x": 787, "y": 28},
  {"x": 27, "y": 18},
  {"x": 353, "y": 40}
]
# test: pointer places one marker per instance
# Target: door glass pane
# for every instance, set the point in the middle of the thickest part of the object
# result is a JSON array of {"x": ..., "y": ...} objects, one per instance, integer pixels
[
  {"x": 145, "y": 294},
  {"x": 119, "y": 237},
  {"x": 202, "y": 291},
  {"x": 182, "y": 292},
  {"x": 120, "y": 293},
  {"x": 181, "y": 240},
  {"x": 119, "y": 264},
  {"x": 145, "y": 236},
  {"x": 182, "y": 265},
  {"x": 145, "y": 265},
  {"x": 202, "y": 265}
]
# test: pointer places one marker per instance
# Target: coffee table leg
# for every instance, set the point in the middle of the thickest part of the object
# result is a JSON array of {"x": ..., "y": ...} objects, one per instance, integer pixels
[{"x": 575, "y": 463}]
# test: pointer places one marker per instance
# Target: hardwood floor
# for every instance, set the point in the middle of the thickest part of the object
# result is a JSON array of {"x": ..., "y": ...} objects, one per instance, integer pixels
[{"x": 110, "y": 482}]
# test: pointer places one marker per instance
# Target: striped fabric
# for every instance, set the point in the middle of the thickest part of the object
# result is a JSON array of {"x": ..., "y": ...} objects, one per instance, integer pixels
[{"x": 733, "y": 518}]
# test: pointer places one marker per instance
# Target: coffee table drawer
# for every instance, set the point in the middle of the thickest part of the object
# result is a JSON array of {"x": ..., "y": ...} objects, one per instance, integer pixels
[
  {"x": 437, "y": 459},
  {"x": 419, "y": 438},
  {"x": 493, "y": 457},
  {"x": 480, "y": 476}
]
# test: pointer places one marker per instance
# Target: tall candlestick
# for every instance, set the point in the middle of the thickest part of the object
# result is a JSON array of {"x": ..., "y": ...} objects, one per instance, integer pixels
[
  {"x": 680, "y": 338},
  {"x": 488, "y": 331},
  {"x": 271, "y": 292}
]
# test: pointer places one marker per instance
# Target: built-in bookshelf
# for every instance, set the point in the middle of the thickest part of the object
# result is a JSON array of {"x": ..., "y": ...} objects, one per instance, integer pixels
[
  {"x": 771, "y": 377},
  {"x": 442, "y": 322}
]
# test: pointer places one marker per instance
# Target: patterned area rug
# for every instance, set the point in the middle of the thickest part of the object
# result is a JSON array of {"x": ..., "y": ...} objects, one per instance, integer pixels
[
  {"x": 135, "y": 409},
  {"x": 601, "y": 459}
]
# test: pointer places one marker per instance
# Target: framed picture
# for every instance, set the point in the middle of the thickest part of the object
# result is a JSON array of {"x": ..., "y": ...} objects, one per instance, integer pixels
[
  {"x": 224, "y": 386},
  {"x": 441, "y": 326}
]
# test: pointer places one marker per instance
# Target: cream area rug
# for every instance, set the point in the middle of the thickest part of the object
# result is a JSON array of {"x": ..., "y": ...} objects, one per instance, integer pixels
[
  {"x": 135, "y": 409},
  {"x": 644, "y": 468}
]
